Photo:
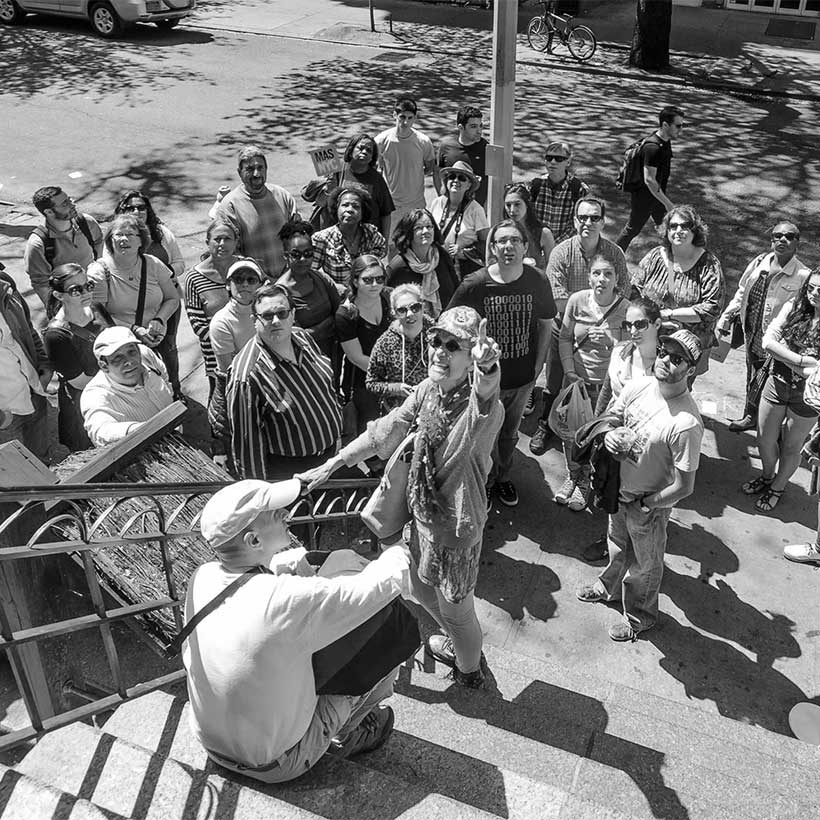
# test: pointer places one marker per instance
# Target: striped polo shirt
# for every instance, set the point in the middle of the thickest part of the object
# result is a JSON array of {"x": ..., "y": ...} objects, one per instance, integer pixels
[{"x": 278, "y": 407}]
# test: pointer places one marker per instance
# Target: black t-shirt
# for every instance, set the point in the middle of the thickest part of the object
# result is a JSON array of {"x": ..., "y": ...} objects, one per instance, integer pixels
[
  {"x": 657, "y": 153},
  {"x": 350, "y": 325},
  {"x": 513, "y": 311},
  {"x": 450, "y": 151},
  {"x": 379, "y": 192}
]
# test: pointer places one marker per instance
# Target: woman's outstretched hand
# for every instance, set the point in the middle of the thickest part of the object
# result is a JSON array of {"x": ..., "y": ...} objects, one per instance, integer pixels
[{"x": 485, "y": 352}]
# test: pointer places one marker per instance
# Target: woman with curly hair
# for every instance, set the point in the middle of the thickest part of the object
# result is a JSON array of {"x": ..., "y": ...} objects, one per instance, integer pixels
[
  {"x": 335, "y": 248},
  {"x": 518, "y": 207},
  {"x": 423, "y": 260},
  {"x": 684, "y": 278},
  {"x": 784, "y": 419}
]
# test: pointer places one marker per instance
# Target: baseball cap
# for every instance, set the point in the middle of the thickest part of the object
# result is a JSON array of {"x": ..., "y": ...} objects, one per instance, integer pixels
[
  {"x": 684, "y": 342},
  {"x": 461, "y": 322},
  {"x": 232, "y": 509},
  {"x": 245, "y": 264},
  {"x": 111, "y": 340}
]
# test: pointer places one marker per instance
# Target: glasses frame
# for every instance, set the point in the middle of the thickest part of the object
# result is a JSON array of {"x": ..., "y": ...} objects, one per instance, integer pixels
[
  {"x": 372, "y": 280},
  {"x": 640, "y": 324},
  {"x": 414, "y": 308},
  {"x": 555, "y": 158},
  {"x": 268, "y": 316},
  {"x": 593, "y": 218},
  {"x": 788, "y": 236},
  {"x": 451, "y": 345},
  {"x": 686, "y": 226},
  {"x": 662, "y": 353},
  {"x": 88, "y": 287},
  {"x": 299, "y": 255}
]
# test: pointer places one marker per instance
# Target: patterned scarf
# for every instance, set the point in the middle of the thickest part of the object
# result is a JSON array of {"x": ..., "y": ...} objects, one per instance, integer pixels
[{"x": 429, "y": 278}]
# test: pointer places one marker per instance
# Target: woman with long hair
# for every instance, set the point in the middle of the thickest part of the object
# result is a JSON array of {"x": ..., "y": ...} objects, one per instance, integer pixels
[
  {"x": 518, "y": 207},
  {"x": 784, "y": 418}
]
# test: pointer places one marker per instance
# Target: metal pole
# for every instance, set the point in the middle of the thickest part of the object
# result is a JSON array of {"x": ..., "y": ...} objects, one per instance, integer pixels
[{"x": 502, "y": 109}]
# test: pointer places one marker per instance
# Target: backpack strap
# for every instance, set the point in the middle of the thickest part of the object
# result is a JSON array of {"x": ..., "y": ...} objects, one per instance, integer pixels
[
  {"x": 85, "y": 230},
  {"x": 578, "y": 344},
  {"x": 49, "y": 246},
  {"x": 535, "y": 188}
]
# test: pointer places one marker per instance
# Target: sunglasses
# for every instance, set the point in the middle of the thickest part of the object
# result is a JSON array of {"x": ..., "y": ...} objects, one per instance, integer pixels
[
  {"x": 684, "y": 226},
  {"x": 789, "y": 236},
  {"x": 459, "y": 178},
  {"x": 132, "y": 208},
  {"x": 297, "y": 255},
  {"x": 812, "y": 288},
  {"x": 589, "y": 217},
  {"x": 675, "y": 358},
  {"x": 372, "y": 280},
  {"x": 451, "y": 345},
  {"x": 281, "y": 314},
  {"x": 413, "y": 307},
  {"x": 245, "y": 280},
  {"x": 554, "y": 158},
  {"x": 640, "y": 324},
  {"x": 79, "y": 290}
]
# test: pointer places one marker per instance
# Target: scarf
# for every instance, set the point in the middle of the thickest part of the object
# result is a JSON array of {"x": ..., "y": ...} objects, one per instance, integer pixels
[{"x": 429, "y": 277}]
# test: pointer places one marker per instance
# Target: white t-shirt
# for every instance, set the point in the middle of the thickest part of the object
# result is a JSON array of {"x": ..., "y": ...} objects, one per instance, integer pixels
[
  {"x": 249, "y": 663},
  {"x": 473, "y": 220},
  {"x": 669, "y": 436},
  {"x": 402, "y": 161}
]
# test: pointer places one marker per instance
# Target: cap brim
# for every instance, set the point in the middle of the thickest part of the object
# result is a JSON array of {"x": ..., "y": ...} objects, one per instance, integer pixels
[
  {"x": 669, "y": 342},
  {"x": 282, "y": 493}
]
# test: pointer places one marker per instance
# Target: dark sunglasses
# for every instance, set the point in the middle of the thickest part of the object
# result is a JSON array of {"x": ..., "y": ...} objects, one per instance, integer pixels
[
  {"x": 79, "y": 290},
  {"x": 372, "y": 280},
  {"x": 789, "y": 236},
  {"x": 554, "y": 158},
  {"x": 812, "y": 288},
  {"x": 413, "y": 307},
  {"x": 675, "y": 358},
  {"x": 459, "y": 177},
  {"x": 281, "y": 314},
  {"x": 245, "y": 280},
  {"x": 589, "y": 217},
  {"x": 640, "y": 324},
  {"x": 684, "y": 226},
  {"x": 132, "y": 208},
  {"x": 451, "y": 345},
  {"x": 297, "y": 255}
]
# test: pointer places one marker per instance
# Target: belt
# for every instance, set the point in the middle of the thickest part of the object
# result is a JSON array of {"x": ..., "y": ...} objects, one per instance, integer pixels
[{"x": 243, "y": 767}]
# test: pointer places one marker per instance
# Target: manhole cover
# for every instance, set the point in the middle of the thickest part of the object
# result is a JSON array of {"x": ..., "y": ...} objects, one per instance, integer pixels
[
  {"x": 793, "y": 29},
  {"x": 393, "y": 56}
]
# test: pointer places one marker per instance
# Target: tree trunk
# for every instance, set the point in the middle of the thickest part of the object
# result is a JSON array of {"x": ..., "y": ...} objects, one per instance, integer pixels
[{"x": 650, "y": 40}]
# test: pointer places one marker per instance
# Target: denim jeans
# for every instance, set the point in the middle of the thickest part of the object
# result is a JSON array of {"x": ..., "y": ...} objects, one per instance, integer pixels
[
  {"x": 514, "y": 400},
  {"x": 637, "y": 544}
]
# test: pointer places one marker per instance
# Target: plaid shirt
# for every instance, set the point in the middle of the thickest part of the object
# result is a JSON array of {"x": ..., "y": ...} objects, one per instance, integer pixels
[
  {"x": 330, "y": 254},
  {"x": 568, "y": 268},
  {"x": 555, "y": 204}
]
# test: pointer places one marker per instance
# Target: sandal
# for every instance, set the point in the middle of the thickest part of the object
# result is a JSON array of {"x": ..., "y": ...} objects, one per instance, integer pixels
[
  {"x": 757, "y": 485},
  {"x": 769, "y": 500}
]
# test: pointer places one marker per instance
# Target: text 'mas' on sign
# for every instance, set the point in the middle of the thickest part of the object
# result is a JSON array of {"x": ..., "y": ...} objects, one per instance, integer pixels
[{"x": 325, "y": 160}]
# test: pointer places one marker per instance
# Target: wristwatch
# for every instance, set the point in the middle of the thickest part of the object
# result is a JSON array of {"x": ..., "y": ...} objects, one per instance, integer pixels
[{"x": 644, "y": 508}]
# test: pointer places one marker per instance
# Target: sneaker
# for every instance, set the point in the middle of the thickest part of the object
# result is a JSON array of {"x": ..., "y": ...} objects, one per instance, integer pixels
[
  {"x": 538, "y": 442},
  {"x": 622, "y": 631},
  {"x": 802, "y": 553},
  {"x": 567, "y": 488},
  {"x": 371, "y": 733},
  {"x": 507, "y": 494},
  {"x": 590, "y": 595},
  {"x": 489, "y": 498},
  {"x": 579, "y": 498},
  {"x": 530, "y": 405},
  {"x": 441, "y": 648},
  {"x": 596, "y": 551},
  {"x": 471, "y": 680}
]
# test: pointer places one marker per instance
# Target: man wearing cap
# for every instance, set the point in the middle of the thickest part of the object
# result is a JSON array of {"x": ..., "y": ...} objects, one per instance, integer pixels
[
  {"x": 659, "y": 450},
  {"x": 768, "y": 282},
  {"x": 249, "y": 662},
  {"x": 568, "y": 272},
  {"x": 555, "y": 193},
  {"x": 467, "y": 146},
  {"x": 130, "y": 388}
]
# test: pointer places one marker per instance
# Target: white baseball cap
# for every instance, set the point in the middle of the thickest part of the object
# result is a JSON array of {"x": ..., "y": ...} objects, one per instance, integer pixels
[
  {"x": 110, "y": 340},
  {"x": 232, "y": 509}
]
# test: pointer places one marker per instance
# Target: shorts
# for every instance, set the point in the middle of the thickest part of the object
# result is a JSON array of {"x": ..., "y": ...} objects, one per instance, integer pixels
[{"x": 787, "y": 394}]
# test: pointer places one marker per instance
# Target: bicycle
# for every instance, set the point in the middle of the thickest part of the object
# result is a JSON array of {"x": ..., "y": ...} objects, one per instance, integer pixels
[{"x": 542, "y": 29}]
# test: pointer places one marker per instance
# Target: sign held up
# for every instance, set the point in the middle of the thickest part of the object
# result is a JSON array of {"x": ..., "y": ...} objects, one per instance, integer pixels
[{"x": 325, "y": 160}]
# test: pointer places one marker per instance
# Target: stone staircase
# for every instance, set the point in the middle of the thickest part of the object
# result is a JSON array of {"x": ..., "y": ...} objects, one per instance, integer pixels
[{"x": 542, "y": 742}]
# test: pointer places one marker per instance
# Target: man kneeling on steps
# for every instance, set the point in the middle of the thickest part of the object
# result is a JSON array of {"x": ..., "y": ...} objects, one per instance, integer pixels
[{"x": 251, "y": 680}]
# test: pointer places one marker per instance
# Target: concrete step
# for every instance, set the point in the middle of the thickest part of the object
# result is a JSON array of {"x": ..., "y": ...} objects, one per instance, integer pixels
[
  {"x": 26, "y": 798},
  {"x": 130, "y": 780}
]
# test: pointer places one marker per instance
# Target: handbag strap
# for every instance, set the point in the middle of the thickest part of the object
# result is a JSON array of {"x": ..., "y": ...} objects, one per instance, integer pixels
[
  {"x": 141, "y": 296},
  {"x": 174, "y": 647},
  {"x": 576, "y": 345},
  {"x": 670, "y": 271}
]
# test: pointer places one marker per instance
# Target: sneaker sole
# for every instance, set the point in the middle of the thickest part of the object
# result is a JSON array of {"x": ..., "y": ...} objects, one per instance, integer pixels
[
  {"x": 443, "y": 659},
  {"x": 795, "y": 560},
  {"x": 512, "y": 503},
  {"x": 590, "y": 600}
]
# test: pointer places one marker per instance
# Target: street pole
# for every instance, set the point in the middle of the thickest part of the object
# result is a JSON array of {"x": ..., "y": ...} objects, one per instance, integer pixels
[{"x": 502, "y": 108}]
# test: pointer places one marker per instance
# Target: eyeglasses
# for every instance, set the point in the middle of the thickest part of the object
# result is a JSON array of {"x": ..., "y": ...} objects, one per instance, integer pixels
[
  {"x": 297, "y": 255},
  {"x": 451, "y": 345},
  {"x": 268, "y": 316},
  {"x": 420, "y": 228},
  {"x": 683, "y": 226},
  {"x": 554, "y": 158},
  {"x": 79, "y": 290},
  {"x": 509, "y": 240},
  {"x": 675, "y": 358},
  {"x": 372, "y": 280},
  {"x": 132, "y": 208},
  {"x": 245, "y": 280},
  {"x": 589, "y": 217},
  {"x": 459, "y": 178},
  {"x": 640, "y": 324},
  {"x": 787, "y": 235},
  {"x": 413, "y": 307},
  {"x": 812, "y": 288}
]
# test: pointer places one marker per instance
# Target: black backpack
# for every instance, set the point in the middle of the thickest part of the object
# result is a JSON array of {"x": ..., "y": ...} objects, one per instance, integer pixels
[
  {"x": 630, "y": 174},
  {"x": 49, "y": 246}
]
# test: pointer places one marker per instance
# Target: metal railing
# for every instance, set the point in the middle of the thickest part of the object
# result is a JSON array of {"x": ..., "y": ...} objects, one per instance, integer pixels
[{"x": 60, "y": 522}]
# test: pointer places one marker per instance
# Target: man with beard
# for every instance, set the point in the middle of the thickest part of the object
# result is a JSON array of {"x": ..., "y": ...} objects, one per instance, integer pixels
[{"x": 659, "y": 450}]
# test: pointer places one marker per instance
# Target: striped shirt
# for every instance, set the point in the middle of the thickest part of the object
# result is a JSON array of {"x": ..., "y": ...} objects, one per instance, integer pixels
[
  {"x": 331, "y": 255},
  {"x": 276, "y": 407},
  {"x": 204, "y": 297}
]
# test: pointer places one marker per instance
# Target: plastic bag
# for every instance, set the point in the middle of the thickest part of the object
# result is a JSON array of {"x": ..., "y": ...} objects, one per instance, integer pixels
[
  {"x": 811, "y": 390},
  {"x": 570, "y": 411}
]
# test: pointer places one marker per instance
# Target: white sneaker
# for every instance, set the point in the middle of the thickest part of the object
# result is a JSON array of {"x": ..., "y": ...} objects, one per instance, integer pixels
[
  {"x": 567, "y": 488},
  {"x": 580, "y": 497},
  {"x": 802, "y": 553}
]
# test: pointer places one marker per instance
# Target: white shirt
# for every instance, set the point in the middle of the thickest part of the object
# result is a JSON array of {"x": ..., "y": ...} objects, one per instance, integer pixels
[
  {"x": 111, "y": 411},
  {"x": 17, "y": 375},
  {"x": 249, "y": 663}
]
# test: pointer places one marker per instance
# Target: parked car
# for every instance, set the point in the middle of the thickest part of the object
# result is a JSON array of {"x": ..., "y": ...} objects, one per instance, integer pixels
[{"x": 108, "y": 17}]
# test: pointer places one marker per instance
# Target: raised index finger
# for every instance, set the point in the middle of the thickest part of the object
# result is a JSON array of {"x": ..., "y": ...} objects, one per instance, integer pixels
[{"x": 482, "y": 330}]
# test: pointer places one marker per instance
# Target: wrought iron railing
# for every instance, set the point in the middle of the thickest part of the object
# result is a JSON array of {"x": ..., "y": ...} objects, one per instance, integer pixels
[{"x": 60, "y": 522}]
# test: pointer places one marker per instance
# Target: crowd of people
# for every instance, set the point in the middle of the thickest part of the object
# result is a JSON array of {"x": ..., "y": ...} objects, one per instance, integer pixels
[{"x": 382, "y": 328}]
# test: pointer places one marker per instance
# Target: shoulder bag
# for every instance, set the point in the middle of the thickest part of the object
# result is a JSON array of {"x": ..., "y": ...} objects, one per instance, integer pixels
[{"x": 386, "y": 511}]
